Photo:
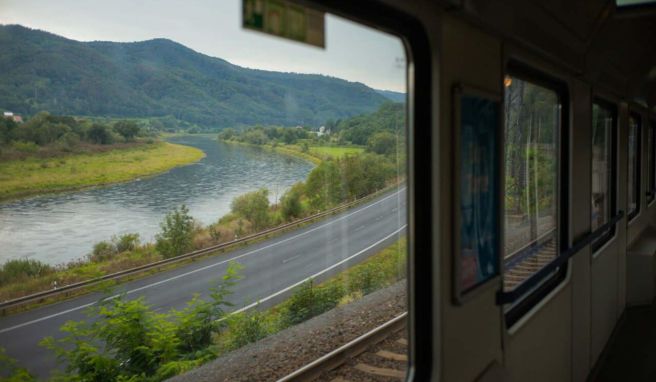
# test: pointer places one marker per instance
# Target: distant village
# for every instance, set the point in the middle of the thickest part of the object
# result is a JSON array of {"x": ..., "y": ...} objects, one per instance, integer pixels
[{"x": 14, "y": 117}]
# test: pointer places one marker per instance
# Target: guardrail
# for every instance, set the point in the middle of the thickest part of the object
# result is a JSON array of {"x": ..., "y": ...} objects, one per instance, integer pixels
[{"x": 64, "y": 290}]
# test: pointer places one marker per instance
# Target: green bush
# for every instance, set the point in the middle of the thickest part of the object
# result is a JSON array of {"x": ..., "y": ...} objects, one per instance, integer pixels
[
  {"x": 367, "y": 278},
  {"x": 126, "y": 242},
  {"x": 102, "y": 251},
  {"x": 309, "y": 300},
  {"x": 177, "y": 233},
  {"x": 254, "y": 206},
  {"x": 19, "y": 269},
  {"x": 129, "y": 341},
  {"x": 246, "y": 327},
  {"x": 26, "y": 147}
]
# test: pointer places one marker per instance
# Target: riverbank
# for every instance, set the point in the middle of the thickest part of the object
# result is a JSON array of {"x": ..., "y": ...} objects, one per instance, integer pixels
[
  {"x": 32, "y": 176},
  {"x": 314, "y": 154}
]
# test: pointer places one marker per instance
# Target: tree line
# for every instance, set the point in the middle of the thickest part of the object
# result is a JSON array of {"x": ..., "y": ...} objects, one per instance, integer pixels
[{"x": 64, "y": 133}]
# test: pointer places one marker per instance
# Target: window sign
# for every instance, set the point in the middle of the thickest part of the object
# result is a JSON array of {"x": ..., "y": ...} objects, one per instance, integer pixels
[
  {"x": 477, "y": 190},
  {"x": 285, "y": 19}
]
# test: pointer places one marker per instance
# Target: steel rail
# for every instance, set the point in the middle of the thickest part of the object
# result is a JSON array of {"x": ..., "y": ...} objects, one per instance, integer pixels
[
  {"x": 66, "y": 289},
  {"x": 347, "y": 351}
]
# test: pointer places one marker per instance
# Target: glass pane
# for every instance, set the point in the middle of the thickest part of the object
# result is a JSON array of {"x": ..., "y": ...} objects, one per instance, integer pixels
[
  {"x": 532, "y": 127},
  {"x": 633, "y": 177},
  {"x": 650, "y": 164},
  {"x": 260, "y": 181},
  {"x": 602, "y": 151}
]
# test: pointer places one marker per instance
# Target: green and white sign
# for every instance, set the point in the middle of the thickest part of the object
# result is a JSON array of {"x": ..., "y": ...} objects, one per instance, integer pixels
[{"x": 285, "y": 19}]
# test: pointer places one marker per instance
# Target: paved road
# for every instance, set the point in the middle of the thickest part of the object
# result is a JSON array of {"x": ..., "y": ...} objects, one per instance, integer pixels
[{"x": 272, "y": 268}]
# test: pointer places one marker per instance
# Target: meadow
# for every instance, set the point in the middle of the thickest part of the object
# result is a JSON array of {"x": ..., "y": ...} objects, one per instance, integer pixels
[{"x": 33, "y": 175}]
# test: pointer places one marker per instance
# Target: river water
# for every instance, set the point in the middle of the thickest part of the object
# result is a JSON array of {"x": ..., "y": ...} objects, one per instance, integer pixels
[{"x": 59, "y": 228}]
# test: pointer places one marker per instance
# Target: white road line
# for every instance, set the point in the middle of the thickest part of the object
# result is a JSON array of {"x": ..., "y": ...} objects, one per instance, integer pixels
[
  {"x": 319, "y": 273},
  {"x": 285, "y": 261},
  {"x": 37, "y": 320}
]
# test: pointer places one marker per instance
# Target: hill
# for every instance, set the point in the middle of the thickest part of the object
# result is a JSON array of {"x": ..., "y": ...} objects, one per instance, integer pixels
[{"x": 156, "y": 78}]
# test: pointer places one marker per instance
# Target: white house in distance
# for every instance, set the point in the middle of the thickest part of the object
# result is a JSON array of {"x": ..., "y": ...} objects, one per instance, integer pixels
[{"x": 14, "y": 117}]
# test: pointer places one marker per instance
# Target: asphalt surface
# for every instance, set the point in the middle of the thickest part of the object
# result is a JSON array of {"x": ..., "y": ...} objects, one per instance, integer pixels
[{"x": 271, "y": 270}]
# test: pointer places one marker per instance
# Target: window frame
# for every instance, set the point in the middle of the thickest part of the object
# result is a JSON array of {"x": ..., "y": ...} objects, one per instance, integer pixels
[
  {"x": 631, "y": 215},
  {"x": 524, "y": 72},
  {"x": 650, "y": 193},
  {"x": 423, "y": 269},
  {"x": 612, "y": 107}
]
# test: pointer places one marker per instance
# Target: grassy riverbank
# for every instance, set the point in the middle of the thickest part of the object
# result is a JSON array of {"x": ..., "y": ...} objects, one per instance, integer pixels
[
  {"x": 314, "y": 154},
  {"x": 43, "y": 175}
]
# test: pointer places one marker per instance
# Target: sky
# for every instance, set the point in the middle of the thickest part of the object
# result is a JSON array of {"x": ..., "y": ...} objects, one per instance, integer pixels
[{"x": 213, "y": 27}]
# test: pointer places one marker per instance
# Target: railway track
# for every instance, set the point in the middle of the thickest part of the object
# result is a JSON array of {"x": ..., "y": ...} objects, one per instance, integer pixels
[{"x": 378, "y": 355}]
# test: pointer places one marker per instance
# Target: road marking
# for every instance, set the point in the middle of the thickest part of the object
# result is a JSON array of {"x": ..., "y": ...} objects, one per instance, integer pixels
[
  {"x": 278, "y": 293},
  {"x": 37, "y": 320},
  {"x": 285, "y": 261}
]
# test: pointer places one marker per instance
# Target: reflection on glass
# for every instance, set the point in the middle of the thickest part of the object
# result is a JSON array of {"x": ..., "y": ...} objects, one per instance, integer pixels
[
  {"x": 633, "y": 173},
  {"x": 532, "y": 126},
  {"x": 602, "y": 162}
]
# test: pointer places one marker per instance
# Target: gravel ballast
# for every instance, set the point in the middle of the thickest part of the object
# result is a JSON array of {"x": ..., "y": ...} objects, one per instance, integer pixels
[{"x": 282, "y": 353}]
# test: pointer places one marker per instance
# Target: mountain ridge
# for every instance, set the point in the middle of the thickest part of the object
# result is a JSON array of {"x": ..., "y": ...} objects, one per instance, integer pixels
[{"x": 161, "y": 77}]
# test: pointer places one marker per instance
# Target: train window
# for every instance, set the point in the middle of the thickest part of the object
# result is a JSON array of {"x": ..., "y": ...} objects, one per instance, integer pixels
[
  {"x": 603, "y": 169},
  {"x": 284, "y": 214},
  {"x": 633, "y": 174},
  {"x": 532, "y": 163}
]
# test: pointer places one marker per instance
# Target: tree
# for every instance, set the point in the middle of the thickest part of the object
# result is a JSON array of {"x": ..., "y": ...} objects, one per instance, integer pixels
[
  {"x": 177, "y": 233},
  {"x": 99, "y": 134},
  {"x": 324, "y": 186},
  {"x": 127, "y": 129},
  {"x": 254, "y": 206},
  {"x": 383, "y": 143},
  {"x": 291, "y": 202}
]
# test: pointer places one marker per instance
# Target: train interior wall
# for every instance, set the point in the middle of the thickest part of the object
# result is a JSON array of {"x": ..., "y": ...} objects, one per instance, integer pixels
[{"x": 563, "y": 336}]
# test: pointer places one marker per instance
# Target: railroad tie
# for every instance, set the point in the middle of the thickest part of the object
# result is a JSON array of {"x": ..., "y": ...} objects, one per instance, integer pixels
[
  {"x": 402, "y": 341},
  {"x": 340, "y": 379},
  {"x": 393, "y": 356},
  {"x": 380, "y": 371}
]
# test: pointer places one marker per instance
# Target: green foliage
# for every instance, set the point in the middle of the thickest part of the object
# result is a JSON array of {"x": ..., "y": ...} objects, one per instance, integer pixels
[
  {"x": 102, "y": 251},
  {"x": 309, "y": 300},
  {"x": 159, "y": 78},
  {"x": 324, "y": 186},
  {"x": 384, "y": 143},
  {"x": 390, "y": 117},
  {"x": 291, "y": 202},
  {"x": 10, "y": 371},
  {"x": 26, "y": 147},
  {"x": 126, "y": 242},
  {"x": 247, "y": 327},
  {"x": 127, "y": 129},
  {"x": 23, "y": 269},
  {"x": 128, "y": 340},
  {"x": 254, "y": 206},
  {"x": 99, "y": 134},
  {"x": 177, "y": 233}
]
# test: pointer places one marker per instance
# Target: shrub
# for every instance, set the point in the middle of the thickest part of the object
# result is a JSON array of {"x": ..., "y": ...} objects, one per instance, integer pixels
[
  {"x": 102, "y": 251},
  {"x": 18, "y": 269},
  {"x": 291, "y": 202},
  {"x": 126, "y": 242},
  {"x": 309, "y": 301},
  {"x": 129, "y": 341},
  {"x": 253, "y": 206},
  {"x": 246, "y": 327},
  {"x": 367, "y": 278},
  {"x": 177, "y": 233},
  {"x": 26, "y": 147}
]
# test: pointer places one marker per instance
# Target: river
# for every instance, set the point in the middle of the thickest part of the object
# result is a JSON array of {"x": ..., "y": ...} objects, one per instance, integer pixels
[{"x": 58, "y": 228}]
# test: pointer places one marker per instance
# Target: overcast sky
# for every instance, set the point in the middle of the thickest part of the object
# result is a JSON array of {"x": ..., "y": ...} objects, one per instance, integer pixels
[{"x": 213, "y": 27}]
